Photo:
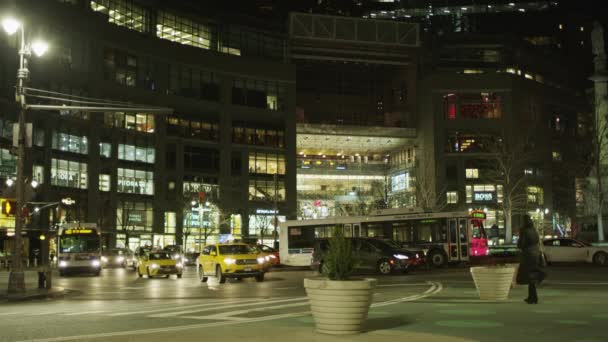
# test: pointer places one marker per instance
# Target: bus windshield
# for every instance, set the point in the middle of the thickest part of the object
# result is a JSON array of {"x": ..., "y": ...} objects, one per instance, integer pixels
[{"x": 79, "y": 244}]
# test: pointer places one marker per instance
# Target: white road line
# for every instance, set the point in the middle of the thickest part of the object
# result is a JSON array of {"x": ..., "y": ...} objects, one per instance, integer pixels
[
  {"x": 404, "y": 284},
  {"x": 230, "y": 314},
  {"x": 581, "y": 283},
  {"x": 435, "y": 288},
  {"x": 215, "y": 307},
  {"x": 162, "y": 308},
  {"x": 84, "y": 313}
]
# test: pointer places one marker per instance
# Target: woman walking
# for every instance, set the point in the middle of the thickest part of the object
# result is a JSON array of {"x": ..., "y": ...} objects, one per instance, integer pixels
[{"x": 530, "y": 271}]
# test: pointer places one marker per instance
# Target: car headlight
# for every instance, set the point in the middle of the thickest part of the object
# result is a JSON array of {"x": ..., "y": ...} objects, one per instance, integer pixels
[
  {"x": 154, "y": 266},
  {"x": 120, "y": 259},
  {"x": 229, "y": 261},
  {"x": 63, "y": 263},
  {"x": 186, "y": 260},
  {"x": 401, "y": 256},
  {"x": 95, "y": 263},
  {"x": 176, "y": 256},
  {"x": 179, "y": 265},
  {"x": 104, "y": 259},
  {"x": 267, "y": 258},
  {"x": 272, "y": 256},
  {"x": 261, "y": 260}
]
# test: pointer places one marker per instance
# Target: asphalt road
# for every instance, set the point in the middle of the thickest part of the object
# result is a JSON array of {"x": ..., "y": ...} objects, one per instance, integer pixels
[{"x": 433, "y": 305}]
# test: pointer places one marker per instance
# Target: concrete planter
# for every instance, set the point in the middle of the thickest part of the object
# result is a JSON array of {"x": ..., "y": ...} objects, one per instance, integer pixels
[
  {"x": 339, "y": 307},
  {"x": 493, "y": 282}
]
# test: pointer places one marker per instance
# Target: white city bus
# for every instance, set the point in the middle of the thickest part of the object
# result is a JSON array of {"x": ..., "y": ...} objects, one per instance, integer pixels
[
  {"x": 79, "y": 249},
  {"x": 444, "y": 236}
]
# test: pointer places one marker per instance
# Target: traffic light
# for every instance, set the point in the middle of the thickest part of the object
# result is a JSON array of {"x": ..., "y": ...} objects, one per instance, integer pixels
[{"x": 8, "y": 207}]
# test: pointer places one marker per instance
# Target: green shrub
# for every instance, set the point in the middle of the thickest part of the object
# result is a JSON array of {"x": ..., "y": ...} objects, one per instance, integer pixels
[{"x": 339, "y": 261}]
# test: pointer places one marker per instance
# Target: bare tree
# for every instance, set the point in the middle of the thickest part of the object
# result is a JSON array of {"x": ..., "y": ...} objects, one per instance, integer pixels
[
  {"x": 427, "y": 196},
  {"x": 509, "y": 157}
]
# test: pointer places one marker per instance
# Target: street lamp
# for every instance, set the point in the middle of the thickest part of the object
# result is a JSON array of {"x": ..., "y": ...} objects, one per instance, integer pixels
[{"x": 16, "y": 283}]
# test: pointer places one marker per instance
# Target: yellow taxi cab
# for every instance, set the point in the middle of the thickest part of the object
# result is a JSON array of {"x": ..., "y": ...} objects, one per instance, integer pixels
[
  {"x": 160, "y": 263},
  {"x": 231, "y": 260}
]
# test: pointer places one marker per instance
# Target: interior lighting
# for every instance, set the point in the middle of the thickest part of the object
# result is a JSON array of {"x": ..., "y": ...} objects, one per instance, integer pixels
[
  {"x": 10, "y": 25},
  {"x": 10, "y": 182},
  {"x": 34, "y": 184}
]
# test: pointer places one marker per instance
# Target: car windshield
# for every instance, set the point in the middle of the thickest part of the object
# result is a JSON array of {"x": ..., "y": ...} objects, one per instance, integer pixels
[
  {"x": 236, "y": 249},
  {"x": 160, "y": 256}
]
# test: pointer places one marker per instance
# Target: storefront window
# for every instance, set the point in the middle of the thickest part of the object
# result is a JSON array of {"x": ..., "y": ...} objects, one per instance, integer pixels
[
  {"x": 68, "y": 173},
  {"x": 70, "y": 143},
  {"x": 104, "y": 182},
  {"x": 262, "y": 226},
  {"x": 135, "y": 181},
  {"x": 193, "y": 185},
  {"x": 400, "y": 181},
  {"x": 134, "y": 217},
  {"x": 472, "y": 106}
]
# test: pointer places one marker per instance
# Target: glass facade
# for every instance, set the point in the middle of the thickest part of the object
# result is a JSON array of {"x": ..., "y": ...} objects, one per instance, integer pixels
[
  {"x": 69, "y": 174},
  {"x": 120, "y": 67},
  {"x": 135, "y": 181},
  {"x": 258, "y": 93},
  {"x": 266, "y": 163},
  {"x": 8, "y": 163},
  {"x": 134, "y": 217},
  {"x": 105, "y": 150},
  {"x": 472, "y": 106},
  {"x": 123, "y": 13},
  {"x": 257, "y": 136},
  {"x": 196, "y": 129},
  {"x": 70, "y": 143},
  {"x": 170, "y": 222},
  {"x": 104, "y": 182}
]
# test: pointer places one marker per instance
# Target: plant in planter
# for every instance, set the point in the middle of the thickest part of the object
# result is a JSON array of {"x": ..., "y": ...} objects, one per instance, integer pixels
[{"x": 339, "y": 303}]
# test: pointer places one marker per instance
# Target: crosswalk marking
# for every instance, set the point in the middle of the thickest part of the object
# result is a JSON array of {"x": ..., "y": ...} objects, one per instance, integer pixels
[
  {"x": 237, "y": 304},
  {"x": 161, "y": 308},
  {"x": 231, "y": 315}
]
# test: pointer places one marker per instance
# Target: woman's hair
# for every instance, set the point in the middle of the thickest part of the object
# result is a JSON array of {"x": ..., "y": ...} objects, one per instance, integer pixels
[{"x": 528, "y": 222}]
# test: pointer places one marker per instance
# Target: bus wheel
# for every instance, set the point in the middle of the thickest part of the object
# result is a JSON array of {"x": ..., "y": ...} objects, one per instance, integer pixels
[
  {"x": 437, "y": 259},
  {"x": 384, "y": 266}
]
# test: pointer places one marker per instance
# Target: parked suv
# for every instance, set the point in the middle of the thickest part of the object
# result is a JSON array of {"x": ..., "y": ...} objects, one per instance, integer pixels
[{"x": 372, "y": 255}]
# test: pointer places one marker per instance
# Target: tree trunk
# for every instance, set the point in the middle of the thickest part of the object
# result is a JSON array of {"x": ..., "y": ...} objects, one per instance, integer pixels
[{"x": 508, "y": 229}]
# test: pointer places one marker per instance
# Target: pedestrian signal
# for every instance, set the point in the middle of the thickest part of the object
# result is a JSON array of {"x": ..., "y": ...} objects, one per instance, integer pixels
[{"x": 8, "y": 207}]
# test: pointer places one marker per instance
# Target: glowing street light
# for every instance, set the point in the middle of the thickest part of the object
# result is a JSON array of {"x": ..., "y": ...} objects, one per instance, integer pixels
[
  {"x": 10, "y": 25},
  {"x": 10, "y": 182},
  {"x": 40, "y": 47},
  {"x": 34, "y": 184}
]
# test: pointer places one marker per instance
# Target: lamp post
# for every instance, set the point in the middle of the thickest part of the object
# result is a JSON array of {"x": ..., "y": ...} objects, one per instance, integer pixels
[{"x": 16, "y": 282}]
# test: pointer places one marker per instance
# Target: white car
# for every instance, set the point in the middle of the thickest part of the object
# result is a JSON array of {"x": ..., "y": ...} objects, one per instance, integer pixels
[{"x": 571, "y": 250}]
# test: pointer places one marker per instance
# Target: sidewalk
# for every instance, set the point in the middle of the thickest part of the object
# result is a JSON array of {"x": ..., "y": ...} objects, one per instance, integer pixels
[{"x": 31, "y": 294}]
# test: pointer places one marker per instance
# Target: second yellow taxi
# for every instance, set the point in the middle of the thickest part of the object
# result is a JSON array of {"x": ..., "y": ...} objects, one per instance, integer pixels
[
  {"x": 161, "y": 263},
  {"x": 233, "y": 260}
]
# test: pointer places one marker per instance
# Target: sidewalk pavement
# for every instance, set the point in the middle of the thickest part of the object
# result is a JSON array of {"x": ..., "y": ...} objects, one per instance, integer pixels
[{"x": 31, "y": 294}]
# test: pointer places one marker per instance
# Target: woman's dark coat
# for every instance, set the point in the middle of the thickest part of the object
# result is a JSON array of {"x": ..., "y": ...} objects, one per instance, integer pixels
[{"x": 529, "y": 266}]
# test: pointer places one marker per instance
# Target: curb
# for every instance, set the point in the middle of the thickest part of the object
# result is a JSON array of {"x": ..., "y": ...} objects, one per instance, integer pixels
[
  {"x": 290, "y": 269},
  {"x": 36, "y": 294}
]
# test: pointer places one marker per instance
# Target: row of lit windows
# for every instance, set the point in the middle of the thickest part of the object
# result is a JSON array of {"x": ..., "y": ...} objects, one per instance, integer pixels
[
  {"x": 472, "y": 106},
  {"x": 263, "y": 190},
  {"x": 140, "y": 122},
  {"x": 192, "y": 128},
  {"x": 266, "y": 163},
  {"x": 258, "y": 136},
  {"x": 123, "y": 13},
  {"x": 70, "y": 143}
]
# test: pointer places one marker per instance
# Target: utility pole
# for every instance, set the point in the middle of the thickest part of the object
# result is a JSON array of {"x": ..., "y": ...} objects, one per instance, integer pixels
[{"x": 275, "y": 210}]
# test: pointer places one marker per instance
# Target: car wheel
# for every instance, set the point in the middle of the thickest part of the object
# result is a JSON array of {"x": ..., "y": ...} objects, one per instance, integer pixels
[
  {"x": 438, "y": 259},
  {"x": 384, "y": 267},
  {"x": 97, "y": 273},
  {"x": 179, "y": 276},
  {"x": 219, "y": 275},
  {"x": 139, "y": 273},
  {"x": 259, "y": 278},
  {"x": 405, "y": 270},
  {"x": 148, "y": 273},
  {"x": 600, "y": 258},
  {"x": 201, "y": 274},
  {"x": 61, "y": 274}
]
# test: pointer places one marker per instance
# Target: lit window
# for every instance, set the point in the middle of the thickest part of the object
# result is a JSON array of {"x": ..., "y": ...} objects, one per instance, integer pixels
[
  {"x": 123, "y": 13},
  {"x": 70, "y": 143},
  {"x": 582, "y": 28},
  {"x": 104, "y": 182},
  {"x": 184, "y": 31},
  {"x": 472, "y": 173},
  {"x": 528, "y": 172},
  {"x": 452, "y": 197},
  {"x": 38, "y": 173},
  {"x": 561, "y": 26},
  {"x": 105, "y": 149},
  {"x": 170, "y": 222},
  {"x": 535, "y": 194},
  {"x": 68, "y": 174},
  {"x": 135, "y": 181},
  {"x": 557, "y": 156},
  {"x": 469, "y": 193}
]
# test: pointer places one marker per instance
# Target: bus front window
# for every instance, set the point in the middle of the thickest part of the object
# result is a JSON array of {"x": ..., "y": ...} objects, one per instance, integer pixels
[{"x": 79, "y": 244}]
